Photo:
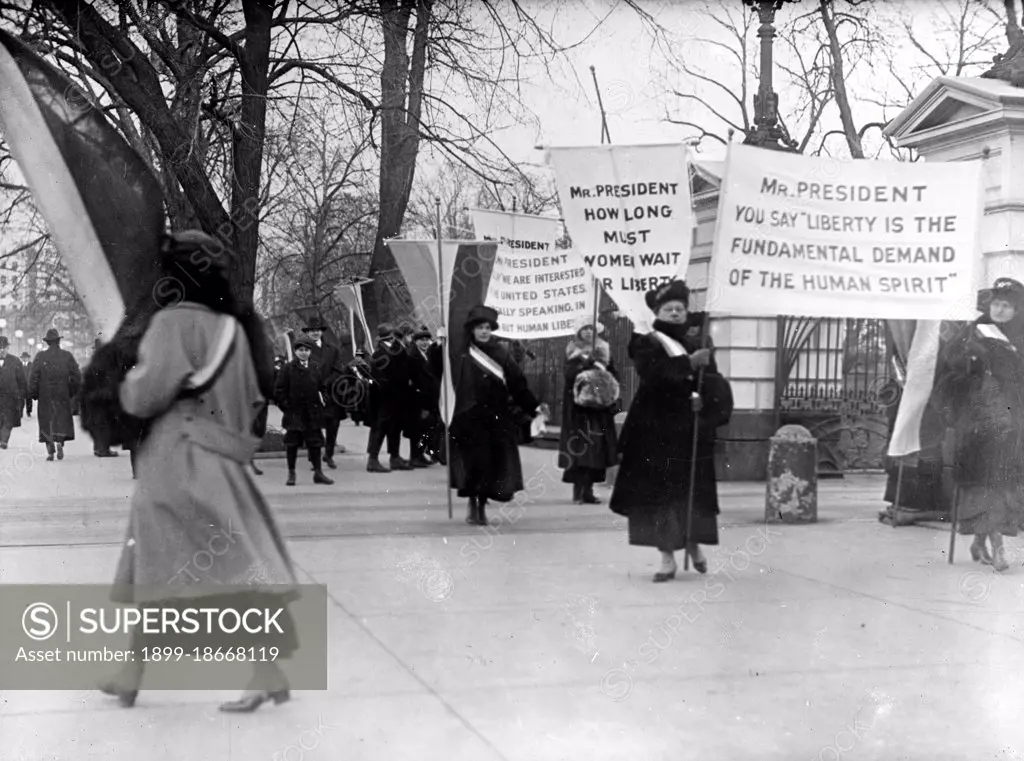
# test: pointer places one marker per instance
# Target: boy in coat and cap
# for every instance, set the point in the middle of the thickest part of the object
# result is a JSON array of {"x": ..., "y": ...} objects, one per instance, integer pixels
[
  {"x": 54, "y": 383},
  {"x": 13, "y": 390},
  {"x": 297, "y": 391}
]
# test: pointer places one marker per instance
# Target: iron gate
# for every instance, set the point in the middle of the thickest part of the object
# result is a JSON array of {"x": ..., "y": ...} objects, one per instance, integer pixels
[{"x": 831, "y": 377}]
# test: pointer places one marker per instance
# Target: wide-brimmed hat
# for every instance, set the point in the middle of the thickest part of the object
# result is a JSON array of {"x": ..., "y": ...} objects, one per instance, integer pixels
[
  {"x": 385, "y": 330},
  {"x": 52, "y": 336},
  {"x": 588, "y": 322},
  {"x": 1004, "y": 289},
  {"x": 306, "y": 341},
  {"x": 676, "y": 290},
  {"x": 423, "y": 332},
  {"x": 480, "y": 314},
  {"x": 314, "y": 323}
]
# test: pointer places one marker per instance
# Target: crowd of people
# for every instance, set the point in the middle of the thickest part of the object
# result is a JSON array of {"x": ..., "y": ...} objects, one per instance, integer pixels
[{"x": 202, "y": 373}]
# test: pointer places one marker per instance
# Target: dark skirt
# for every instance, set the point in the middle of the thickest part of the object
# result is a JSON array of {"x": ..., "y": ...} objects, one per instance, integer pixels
[
  {"x": 665, "y": 528},
  {"x": 485, "y": 454},
  {"x": 588, "y": 445},
  {"x": 990, "y": 510}
]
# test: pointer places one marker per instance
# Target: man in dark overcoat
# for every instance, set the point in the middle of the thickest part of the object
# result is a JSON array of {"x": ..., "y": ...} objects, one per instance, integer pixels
[
  {"x": 332, "y": 368},
  {"x": 55, "y": 381},
  {"x": 390, "y": 363},
  {"x": 26, "y": 360},
  {"x": 13, "y": 391},
  {"x": 426, "y": 396}
]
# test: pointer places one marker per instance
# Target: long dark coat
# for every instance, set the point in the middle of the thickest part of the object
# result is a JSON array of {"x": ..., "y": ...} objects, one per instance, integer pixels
[
  {"x": 652, "y": 486},
  {"x": 297, "y": 393},
  {"x": 986, "y": 378},
  {"x": 484, "y": 435},
  {"x": 588, "y": 443},
  {"x": 332, "y": 370},
  {"x": 426, "y": 381},
  {"x": 13, "y": 390},
  {"x": 55, "y": 381},
  {"x": 390, "y": 394}
]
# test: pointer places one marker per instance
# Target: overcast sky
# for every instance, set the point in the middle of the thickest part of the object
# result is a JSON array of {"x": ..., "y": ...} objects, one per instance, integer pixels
[{"x": 632, "y": 73}]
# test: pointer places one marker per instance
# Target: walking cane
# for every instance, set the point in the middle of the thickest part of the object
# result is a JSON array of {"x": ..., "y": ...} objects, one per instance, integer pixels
[
  {"x": 442, "y": 306},
  {"x": 693, "y": 451}
]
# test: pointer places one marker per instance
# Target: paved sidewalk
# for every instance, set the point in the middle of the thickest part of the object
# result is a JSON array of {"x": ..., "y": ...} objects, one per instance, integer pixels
[{"x": 544, "y": 638}]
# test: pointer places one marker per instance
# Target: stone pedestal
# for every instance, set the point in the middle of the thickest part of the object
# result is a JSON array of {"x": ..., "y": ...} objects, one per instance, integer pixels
[{"x": 792, "y": 493}]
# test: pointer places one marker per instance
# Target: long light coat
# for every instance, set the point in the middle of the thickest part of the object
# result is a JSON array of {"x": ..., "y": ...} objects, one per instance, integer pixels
[{"x": 197, "y": 517}]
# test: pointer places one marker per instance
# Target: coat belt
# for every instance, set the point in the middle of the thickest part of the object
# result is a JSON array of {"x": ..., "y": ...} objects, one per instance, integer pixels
[{"x": 215, "y": 438}]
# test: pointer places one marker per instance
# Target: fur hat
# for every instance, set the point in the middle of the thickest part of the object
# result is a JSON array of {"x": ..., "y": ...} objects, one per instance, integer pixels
[
  {"x": 52, "y": 336},
  {"x": 423, "y": 332},
  {"x": 676, "y": 290},
  {"x": 1004, "y": 289},
  {"x": 479, "y": 314},
  {"x": 314, "y": 323},
  {"x": 587, "y": 322},
  {"x": 306, "y": 341},
  {"x": 385, "y": 330}
]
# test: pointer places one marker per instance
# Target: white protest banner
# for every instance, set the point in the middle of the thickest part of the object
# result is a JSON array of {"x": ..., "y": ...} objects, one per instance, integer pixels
[
  {"x": 627, "y": 209},
  {"x": 812, "y": 237},
  {"x": 539, "y": 291}
]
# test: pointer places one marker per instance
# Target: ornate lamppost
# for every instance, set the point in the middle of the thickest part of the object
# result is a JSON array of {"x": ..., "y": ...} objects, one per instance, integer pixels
[{"x": 768, "y": 131}]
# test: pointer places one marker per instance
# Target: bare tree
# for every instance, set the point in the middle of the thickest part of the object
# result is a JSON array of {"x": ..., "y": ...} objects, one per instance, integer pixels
[
  {"x": 319, "y": 231},
  {"x": 190, "y": 84}
]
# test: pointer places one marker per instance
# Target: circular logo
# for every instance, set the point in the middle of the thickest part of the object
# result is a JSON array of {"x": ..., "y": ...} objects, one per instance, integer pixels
[
  {"x": 974, "y": 586},
  {"x": 39, "y": 621},
  {"x": 348, "y": 392},
  {"x": 168, "y": 292},
  {"x": 617, "y": 685},
  {"x": 438, "y": 586},
  {"x": 618, "y": 97}
]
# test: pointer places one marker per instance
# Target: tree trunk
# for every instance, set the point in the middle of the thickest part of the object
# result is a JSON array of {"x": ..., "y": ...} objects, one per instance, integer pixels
[
  {"x": 839, "y": 82},
  {"x": 1014, "y": 35},
  {"x": 401, "y": 108},
  {"x": 248, "y": 146}
]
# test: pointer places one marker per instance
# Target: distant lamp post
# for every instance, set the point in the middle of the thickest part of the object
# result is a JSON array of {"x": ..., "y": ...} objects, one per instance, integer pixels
[
  {"x": 768, "y": 131},
  {"x": 19, "y": 334}
]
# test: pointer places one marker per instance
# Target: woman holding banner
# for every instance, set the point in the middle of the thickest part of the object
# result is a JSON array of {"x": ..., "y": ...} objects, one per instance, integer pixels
[
  {"x": 484, "y": 430},
  {"x": 587, "y": 446},
  {"x": 657, "y": 443},
  {"x": 985, "y": 383}
]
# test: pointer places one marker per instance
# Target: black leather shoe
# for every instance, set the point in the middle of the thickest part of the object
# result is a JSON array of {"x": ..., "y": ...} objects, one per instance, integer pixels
[
  {"x": 329, "y": 462},
  {"x": 291, "y": 478},
  {"x": 320, "y": 478}
]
